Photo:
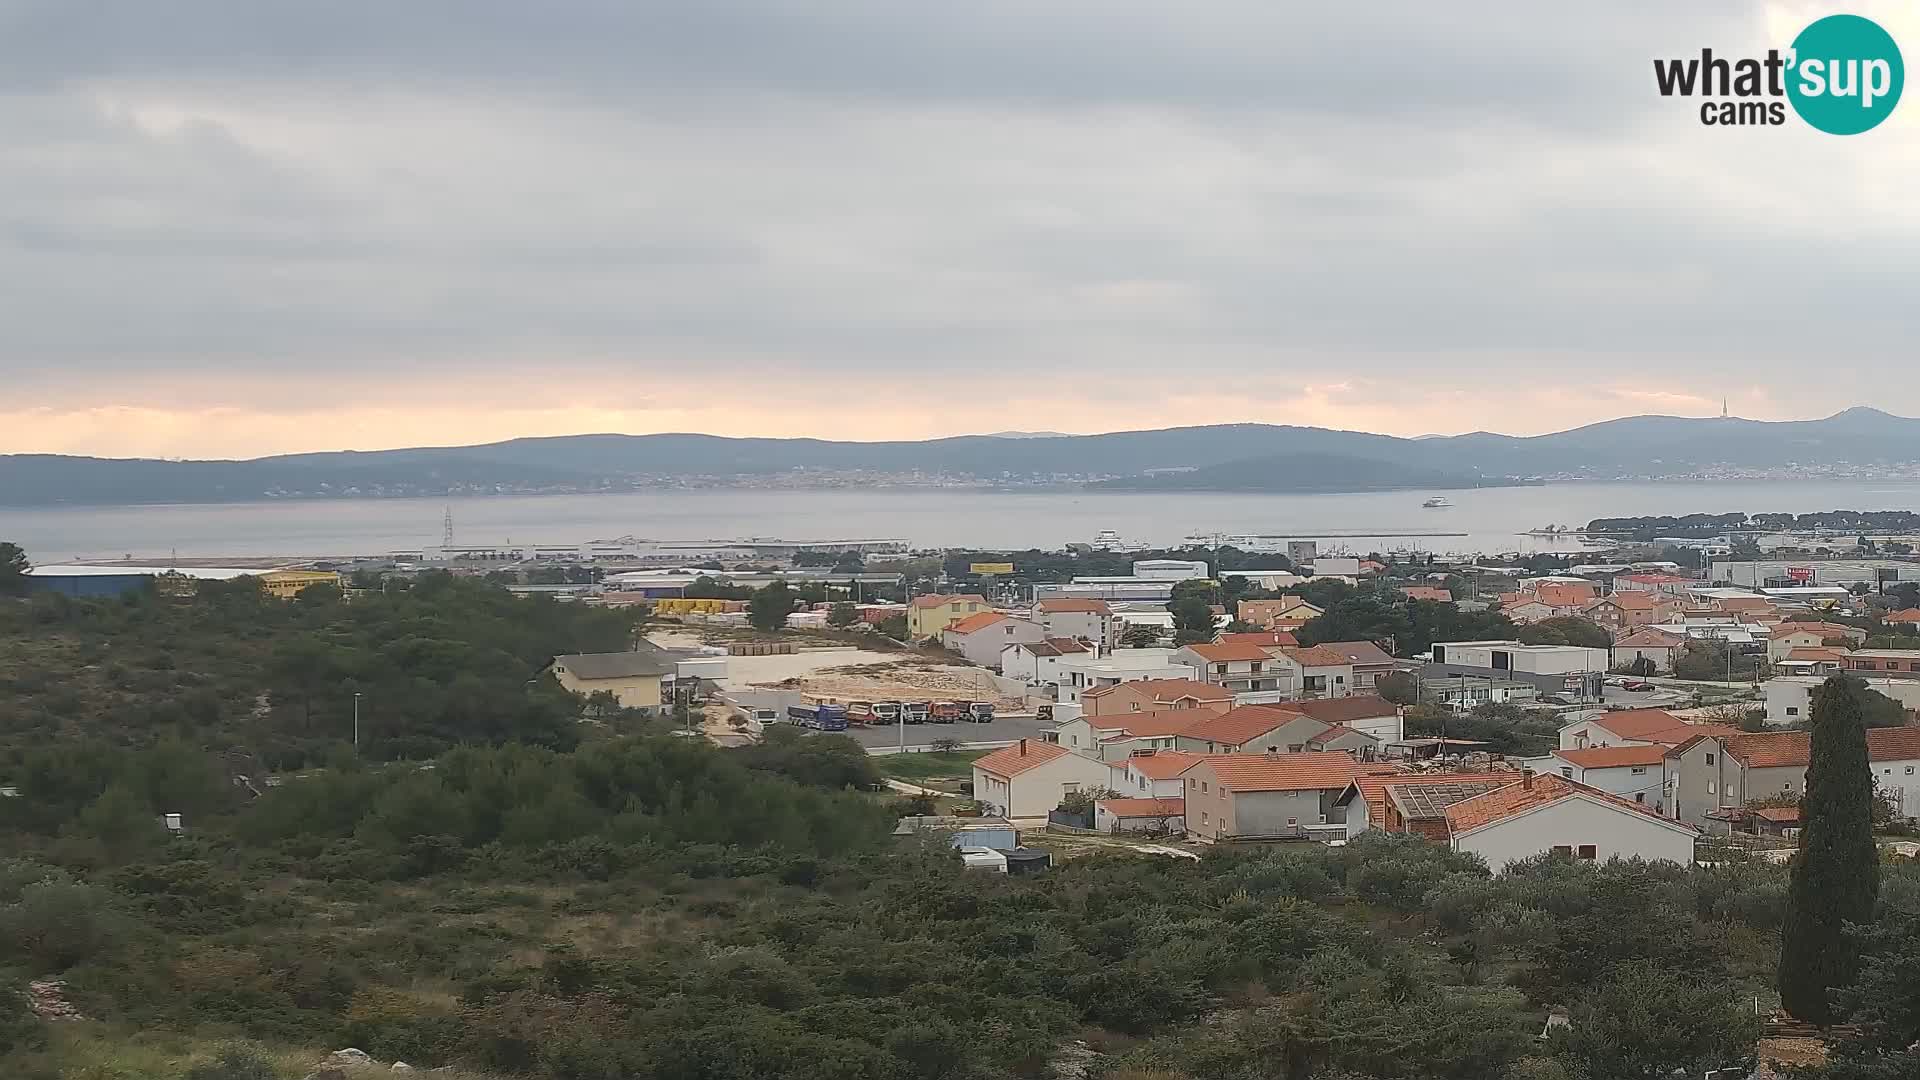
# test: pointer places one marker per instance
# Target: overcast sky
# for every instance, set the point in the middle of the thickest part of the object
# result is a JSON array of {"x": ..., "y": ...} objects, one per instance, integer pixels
[{"x": 236, "y": 227}]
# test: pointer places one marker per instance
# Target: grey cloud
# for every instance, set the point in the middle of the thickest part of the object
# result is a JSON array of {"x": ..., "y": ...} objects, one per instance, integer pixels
[{"x": 843, "y": 189}]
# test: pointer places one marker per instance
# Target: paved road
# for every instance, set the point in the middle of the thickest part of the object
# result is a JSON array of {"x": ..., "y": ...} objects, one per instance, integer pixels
[{"x": 1004, "y": 729}]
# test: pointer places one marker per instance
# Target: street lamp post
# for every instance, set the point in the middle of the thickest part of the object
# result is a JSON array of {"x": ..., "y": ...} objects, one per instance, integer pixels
[{"x": 356, "y": 721}]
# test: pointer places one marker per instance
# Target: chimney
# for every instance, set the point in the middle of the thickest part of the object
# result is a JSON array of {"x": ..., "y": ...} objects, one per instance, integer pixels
[
  {"x": 1526, "y": 778},
  {"x": 1023, "y": 748}
]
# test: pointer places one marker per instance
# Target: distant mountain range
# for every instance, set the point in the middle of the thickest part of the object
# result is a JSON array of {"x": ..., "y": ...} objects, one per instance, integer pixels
[{"x": 1228, "y": 457}]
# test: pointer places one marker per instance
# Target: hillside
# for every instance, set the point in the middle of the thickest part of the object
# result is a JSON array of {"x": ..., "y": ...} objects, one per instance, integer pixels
[
  {"x": 1295, "y": 474},
  {"x": 1640, "y": 446}
]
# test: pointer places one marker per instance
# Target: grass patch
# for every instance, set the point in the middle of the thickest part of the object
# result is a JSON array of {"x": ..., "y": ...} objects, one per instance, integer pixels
[{"x": 920, "y": 768}]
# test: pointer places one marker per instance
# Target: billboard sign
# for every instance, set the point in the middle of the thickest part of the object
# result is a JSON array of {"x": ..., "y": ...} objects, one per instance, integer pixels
[
  {"x": 990, "y": 568},
  {"x": 1800, "y": 574}
]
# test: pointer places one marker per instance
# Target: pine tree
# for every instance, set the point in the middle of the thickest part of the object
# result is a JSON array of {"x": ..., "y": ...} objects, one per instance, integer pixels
[{"x": 1836, "y": 878}]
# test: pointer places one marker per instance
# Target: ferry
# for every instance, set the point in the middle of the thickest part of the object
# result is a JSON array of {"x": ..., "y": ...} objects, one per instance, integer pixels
[{"x": 1436, "y": 503}]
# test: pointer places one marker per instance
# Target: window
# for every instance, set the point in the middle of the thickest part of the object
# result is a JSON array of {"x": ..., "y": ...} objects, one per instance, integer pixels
[
  {"x": 1191, "y": 784},
  {"x": 1637, "y": 770},
  {"x": 1562, "y": 849},
  {"x": 1203, "y": 785},
  {"x": 1566, "y": 771},
  {"x": 1203, "y": 817},
  {"x": 1909, "y": 770},
  {"x": 1589, "y": 852},
  {"x": 1710, "y": 789},
  {"x": 1640, "y": 796},
  {"x": 1709, "y": 761},
  {"x": 1793, "y": 710},
  {"x": 1219, "y": 669},
  {"x": 1069, "y": 789}
]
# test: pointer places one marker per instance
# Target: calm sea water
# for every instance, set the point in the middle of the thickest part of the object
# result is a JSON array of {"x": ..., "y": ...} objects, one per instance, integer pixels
[{"x": 1493, "y": 519}]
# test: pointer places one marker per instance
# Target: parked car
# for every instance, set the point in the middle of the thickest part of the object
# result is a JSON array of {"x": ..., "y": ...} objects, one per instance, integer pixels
[{"x": 1636, "y": 685}]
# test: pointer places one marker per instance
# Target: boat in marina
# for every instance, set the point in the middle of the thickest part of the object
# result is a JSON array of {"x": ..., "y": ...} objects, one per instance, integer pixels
[{"x": 1437, "y": 502}]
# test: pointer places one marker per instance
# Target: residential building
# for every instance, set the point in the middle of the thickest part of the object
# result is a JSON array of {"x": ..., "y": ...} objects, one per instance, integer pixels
[
  {"x": 1366, "y": 713},
  {"x": 1116, "y": 737},
  {"x": 1426, "y": 592},
  {"x": 1635, "y": 727},
  {"x": 1853, "y": 636},
  {"x": 1237, "y": 668},
  {"x": 1290, "y": 610},
  {"x": 928, "y": 615},
  {"x": 1261, "y": 796},
  {"x": 1249, "y": 729},
  {"x": 1270, "y": 580},
  {"x": 1140, "y": 815},
  {"x": 1783, "y": 639},
  {"x": 1709, "y": 772},
  {"x": 1266, "y": 639},
  {"x": 1790, "y": 697},
  {"x": 1903, "y": 617},
  {"x": 1650, "y": 643},
  {"x": 1081, "y": 674},
  {"x": 1328, "y": 670},
  {"x": 1154, "y": 695},
  {"x": 1151, "y": 774},
  {"x": 1539, "y": 814},
  {"x": 1659, "y": 584},
  {"x": 1888, "y": 661},
  {"x": 1091, "y": 621},
  {"x": 1029, "y": 778},
  {"x": 1635, "y": 773},
  {"x": 1336, "y": 566},
  {"x": 633, "y": 678},
  {"x": 1355, "y": 724},
  {"x": 982, "y": 637},
  {"x": 1528, "y": 611},
  {"x": 1400, "y": 802},
  {"x": 1038, "y": 662},
  {"x": 1624, "y": 612}
]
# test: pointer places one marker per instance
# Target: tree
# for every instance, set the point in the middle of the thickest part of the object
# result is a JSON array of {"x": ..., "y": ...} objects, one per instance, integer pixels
[
  {"x": 1836, "y": 878},
  {"x": 1566, "y": 630},
  {"x": 13, "y": 570},
  {"x": 1399, "y": 687},
  {"x": 842, "y": 614},
  {"x": 895, "y": 627},
  {"x": 768, "y": 608},
  {"x": 1643, "y": 1021},
  {"x": 1192, "y": 607},
  {"x": 1140, "y": 636}
]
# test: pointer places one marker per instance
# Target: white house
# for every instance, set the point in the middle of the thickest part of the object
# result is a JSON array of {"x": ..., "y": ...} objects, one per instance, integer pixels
[
  {"x": 1549, "y": 813},
  {"x": 1086, "y": 672},
  {"x": 1030, "y": 778},
  {"x": 1634, "y": 727},
  {"x": 1151, "y": 774},
  {"x": 981, "y": 638},
  {"x": 1038, "y": 661},
  {"x": 1091, "y": 621},
  {"x": 1790, "y": 697},
  {"x": 1650, "y": 643},
  {"x": 1894, "y": 756},
  {"x": 1240, "y": 668},
  {"x": 1635, "y": 773}
]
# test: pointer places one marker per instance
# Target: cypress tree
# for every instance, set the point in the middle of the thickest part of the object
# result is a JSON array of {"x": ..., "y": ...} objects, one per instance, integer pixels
[{"x": 1836, "y": 878}]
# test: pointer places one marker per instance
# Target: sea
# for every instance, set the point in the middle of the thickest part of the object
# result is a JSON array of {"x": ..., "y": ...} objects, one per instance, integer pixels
[{"x": 1482, "y": 520}]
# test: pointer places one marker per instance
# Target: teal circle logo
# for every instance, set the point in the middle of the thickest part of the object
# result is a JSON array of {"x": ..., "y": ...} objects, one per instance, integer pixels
[{"x": 1846, "y": 74}]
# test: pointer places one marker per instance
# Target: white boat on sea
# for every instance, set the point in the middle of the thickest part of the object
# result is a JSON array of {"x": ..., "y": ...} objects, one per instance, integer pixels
[{"x": 1436, "y": 503}]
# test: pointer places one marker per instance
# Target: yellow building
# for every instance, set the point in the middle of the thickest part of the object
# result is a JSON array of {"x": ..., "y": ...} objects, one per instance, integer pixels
[
  {"x": 927, "y": 616},
  {"x": 631, "y": 677},
  {"x": 286, "y": 584}
]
